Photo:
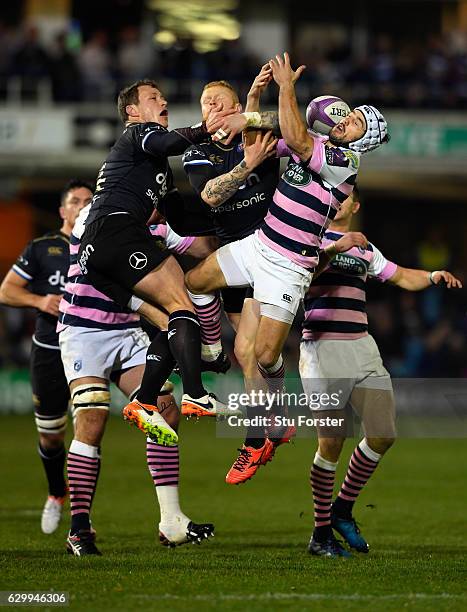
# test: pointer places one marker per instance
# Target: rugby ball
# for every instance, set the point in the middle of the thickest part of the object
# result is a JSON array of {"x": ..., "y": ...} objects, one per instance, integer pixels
[{"x": 324, "y": 112}]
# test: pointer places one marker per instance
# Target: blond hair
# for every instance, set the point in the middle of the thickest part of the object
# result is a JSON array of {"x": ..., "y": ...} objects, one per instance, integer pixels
[{"x": 225, "y": 84}]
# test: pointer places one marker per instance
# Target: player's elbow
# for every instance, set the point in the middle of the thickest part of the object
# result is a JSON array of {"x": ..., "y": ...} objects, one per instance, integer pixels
[
  {"x": 3, "y": 295},
  {"x": 209, "y": 200}
]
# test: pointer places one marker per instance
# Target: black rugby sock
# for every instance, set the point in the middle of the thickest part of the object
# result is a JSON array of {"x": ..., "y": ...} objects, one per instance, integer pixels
[
  {"x": 159, "y": 365},
  {"x": 185, "y": 343},
  {"x": 53, "y": 461},
  {"x": 255, "y": 434}
]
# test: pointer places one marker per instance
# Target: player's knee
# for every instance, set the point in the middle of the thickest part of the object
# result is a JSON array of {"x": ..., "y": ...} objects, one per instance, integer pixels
[
  {"x": 380, "y": 445},
  {"x": 330, "y": 448},
  {"x": 91, "y": 403},
  {"x": 90, "y": 426},
  {"x": 52, "y": 441},
  {"x": 192, "y": 281}
]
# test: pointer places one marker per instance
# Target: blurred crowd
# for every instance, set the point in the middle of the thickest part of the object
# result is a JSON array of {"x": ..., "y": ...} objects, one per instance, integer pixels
[
  {"x": 420, "y": 334},
  {"x": 393, "y": 73}
]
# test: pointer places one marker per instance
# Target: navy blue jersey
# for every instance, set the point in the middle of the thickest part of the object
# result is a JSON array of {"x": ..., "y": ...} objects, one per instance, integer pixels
[
  {"x": 136, "y": 176},
  {"x": 44, "y": 264},
  {"x": 242, "y": 214}
]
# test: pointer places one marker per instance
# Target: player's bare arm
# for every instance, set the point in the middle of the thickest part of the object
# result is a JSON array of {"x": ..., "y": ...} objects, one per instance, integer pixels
[
  {"x": 14, "y": 292},
  {"x": 259, "y": 84},
  {"x": 224, "y": 125},
  {"x": 291, "y": 123},
  {"x": 417, "y": 280},
  {"x": 221, "y": 188}
]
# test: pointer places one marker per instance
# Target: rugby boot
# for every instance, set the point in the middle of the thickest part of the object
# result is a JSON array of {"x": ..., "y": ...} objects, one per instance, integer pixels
[
  {"x": 52, "y": 514},
  {"x": 208, "y": 405},
  {"x": 248, "y": 462},
  {"x": 183, "y": 531},
  {"x": 148, "y": 420},
  {"x": 285, "y": 437},
  {"x": 219, "y": 365},
  {"x": 349, "y": 530},
  {"x": 82, "y": 543},
  {"x": 330, "y": 548}
]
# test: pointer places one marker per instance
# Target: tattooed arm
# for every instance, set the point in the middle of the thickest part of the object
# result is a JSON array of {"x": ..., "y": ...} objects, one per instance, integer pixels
[
  {"x": 219, "y": 189},
  {"x": 224, "y": 125},
  {"x": 267, "y": 120}
]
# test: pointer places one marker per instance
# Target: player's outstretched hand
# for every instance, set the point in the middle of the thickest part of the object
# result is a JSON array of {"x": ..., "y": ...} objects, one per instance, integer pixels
[
  {"x": 225, "y": 124},
  {"x": 263, "y": 146},
  {"x": 444, "y": 277},
  {"x": 282, "y": 71},
  {"x": 262, "y": 80},
  {"x": 349, "y": 240},
  {"x": 49, "y": 304}
]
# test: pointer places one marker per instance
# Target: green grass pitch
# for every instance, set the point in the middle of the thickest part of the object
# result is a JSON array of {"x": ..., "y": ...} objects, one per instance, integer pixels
[{"x": 413, "y": 512}]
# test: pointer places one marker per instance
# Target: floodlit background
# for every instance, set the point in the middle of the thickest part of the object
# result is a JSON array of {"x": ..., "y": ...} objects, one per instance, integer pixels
[{"x": 63, "y": 62}]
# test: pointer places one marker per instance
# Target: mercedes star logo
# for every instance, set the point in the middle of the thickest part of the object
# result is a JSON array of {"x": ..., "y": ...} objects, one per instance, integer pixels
[{"x": 138, "y": 260}]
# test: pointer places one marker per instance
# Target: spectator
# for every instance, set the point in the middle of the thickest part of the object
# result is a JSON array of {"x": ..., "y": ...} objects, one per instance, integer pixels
[
  {"x": 135, "y": 57},
  {"x": 66, "y": 76},
  {"x": 96, "y": 67},
  {"x": 30, "y": 62}
]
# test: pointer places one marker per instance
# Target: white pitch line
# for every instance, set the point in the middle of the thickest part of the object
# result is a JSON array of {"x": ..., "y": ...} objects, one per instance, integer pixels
[{"x": 302, "y": 596}]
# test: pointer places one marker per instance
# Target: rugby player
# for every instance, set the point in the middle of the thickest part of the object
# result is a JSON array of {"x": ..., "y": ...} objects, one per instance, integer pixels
[
  {"x": 235, "y": 185},
  {"x": 278, "y": 260},
  {"x": 117, "y": 247},
  {"x": 102, "y": 342},
  {"x": 337, "y": 354},
  {"x": 37, "y": 280}
]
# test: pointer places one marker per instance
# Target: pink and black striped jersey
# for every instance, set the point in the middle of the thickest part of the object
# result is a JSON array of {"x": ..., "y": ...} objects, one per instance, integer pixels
[
  {"x": 306, "y": 200},
  {"x": 84, "y": 306},
  {"x": 335, "y": 304}
]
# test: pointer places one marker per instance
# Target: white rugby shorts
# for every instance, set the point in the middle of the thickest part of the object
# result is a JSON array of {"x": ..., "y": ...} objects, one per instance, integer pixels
[
  {"x": 275, "y": 279},
  {"x": 340, "y": 366},
  {"x": 87, "y": 351}
]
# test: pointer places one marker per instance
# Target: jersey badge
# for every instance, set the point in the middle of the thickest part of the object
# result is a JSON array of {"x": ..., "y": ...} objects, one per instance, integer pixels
[
  {"x": 54, "y": 250},
  {"x": 297, "y": 175},
  {"x": 349, "y": 264}
]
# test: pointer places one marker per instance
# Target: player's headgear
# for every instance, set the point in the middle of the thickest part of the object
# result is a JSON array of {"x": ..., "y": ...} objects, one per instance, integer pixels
[{"x": 376, "y": 130}]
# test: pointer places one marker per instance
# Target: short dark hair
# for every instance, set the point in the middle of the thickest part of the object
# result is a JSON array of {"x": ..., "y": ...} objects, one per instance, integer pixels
[
  {"x": 130, "y": 95},
  {"x": 75, "y": 183}
]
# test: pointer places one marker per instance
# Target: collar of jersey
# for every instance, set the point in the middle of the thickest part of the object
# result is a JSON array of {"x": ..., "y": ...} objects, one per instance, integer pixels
[{"x": 235, "y": 142}]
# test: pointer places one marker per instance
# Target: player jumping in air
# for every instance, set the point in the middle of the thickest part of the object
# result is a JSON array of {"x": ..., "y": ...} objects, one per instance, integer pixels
[
  {"x": 235, "y": 184},
  {"x": 338, "y": 354},
  {"x": 37, "y": 280},
  {"x": 278, "y": 260},
  {"x": 118, "y": 248}
]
